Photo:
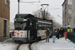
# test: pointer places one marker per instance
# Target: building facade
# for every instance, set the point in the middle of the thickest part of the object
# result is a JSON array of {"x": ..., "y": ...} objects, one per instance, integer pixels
[
  {"x": 4, "y": 18},
  {"x": 67, "y": 12},
  {"x": 73, "y": 14}
]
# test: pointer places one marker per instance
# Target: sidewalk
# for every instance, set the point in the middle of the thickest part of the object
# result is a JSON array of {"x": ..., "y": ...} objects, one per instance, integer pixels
[{"x": 60, "y": 44}]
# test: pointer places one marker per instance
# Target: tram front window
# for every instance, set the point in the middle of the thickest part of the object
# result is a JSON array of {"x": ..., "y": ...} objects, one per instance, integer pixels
[{"x": 20, "y": 26}]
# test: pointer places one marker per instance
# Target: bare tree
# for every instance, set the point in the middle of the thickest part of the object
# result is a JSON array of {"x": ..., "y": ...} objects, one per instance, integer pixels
[{"x": 48, "y": 16}]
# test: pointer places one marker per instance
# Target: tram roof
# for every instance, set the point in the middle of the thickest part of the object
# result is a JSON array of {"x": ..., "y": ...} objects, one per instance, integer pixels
[
  {"x": 24, "y": 16},
  {"x": 30, "y": 16}
]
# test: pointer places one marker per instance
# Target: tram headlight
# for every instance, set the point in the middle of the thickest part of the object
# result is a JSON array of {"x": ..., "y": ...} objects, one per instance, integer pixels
[
  {"x": 24, "y": 19},
  {"x": 14, "y": 19},
  {"x": 21, "y": 32},
  {"x": 15, "y": 32}
]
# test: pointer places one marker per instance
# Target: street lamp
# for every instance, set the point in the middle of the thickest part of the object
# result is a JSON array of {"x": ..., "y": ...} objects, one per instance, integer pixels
[{"x": 60, "y": 17}]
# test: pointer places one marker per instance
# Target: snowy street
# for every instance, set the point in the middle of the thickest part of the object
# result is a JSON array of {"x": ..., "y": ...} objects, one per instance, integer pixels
[{"x": 60, "y": 44}]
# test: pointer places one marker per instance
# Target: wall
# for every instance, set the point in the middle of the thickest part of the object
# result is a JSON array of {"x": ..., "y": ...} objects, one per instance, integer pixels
[
  {"x": 4, "y": 14},
  {"x": 4, "y": 10},
  {"x": 2, "y": 25},
  {"x": 73, "y": 14},
  {"x": 67, "y": 12}
]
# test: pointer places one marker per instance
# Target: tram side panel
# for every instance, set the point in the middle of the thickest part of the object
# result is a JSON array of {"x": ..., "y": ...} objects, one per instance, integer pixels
[{"x": 40, "y": 33}]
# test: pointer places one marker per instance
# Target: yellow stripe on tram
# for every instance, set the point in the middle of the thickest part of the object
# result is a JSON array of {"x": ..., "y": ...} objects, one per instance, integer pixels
[{"x": 45, "y": 34}]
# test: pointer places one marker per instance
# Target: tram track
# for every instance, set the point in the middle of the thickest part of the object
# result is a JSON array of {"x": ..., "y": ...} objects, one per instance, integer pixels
[
  {"x": 19, "y": 46},
  {"x": 29, "y": 46}
]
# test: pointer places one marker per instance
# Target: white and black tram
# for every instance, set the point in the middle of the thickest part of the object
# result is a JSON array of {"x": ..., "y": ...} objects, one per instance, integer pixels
[{"x": 29, "y": 28}]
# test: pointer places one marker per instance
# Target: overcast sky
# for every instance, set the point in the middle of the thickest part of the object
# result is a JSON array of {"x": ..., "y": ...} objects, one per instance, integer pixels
[{"x": 55, "y": 8}]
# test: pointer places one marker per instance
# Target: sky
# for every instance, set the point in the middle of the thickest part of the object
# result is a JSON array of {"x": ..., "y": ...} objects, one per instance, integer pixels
[{"x": 55, "y": 8}]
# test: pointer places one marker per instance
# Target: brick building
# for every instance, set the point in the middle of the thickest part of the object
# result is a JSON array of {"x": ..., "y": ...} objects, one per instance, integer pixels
[{"x": 4, "y": 18}]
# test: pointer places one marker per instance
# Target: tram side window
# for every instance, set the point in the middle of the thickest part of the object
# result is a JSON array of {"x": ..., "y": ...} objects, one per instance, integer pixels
[
  {"x": 42, "y": 26},
  {"x": 37, "y": 25}
]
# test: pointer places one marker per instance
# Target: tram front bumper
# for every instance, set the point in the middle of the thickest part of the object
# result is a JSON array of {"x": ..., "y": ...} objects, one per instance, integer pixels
[{"x": 22, "y": 39}]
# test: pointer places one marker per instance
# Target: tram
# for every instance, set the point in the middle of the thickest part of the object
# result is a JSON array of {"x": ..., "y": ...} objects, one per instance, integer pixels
[{"x": 30, "y": 28}]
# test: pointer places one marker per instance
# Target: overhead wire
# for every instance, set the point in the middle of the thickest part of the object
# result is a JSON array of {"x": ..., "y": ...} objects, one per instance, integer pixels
[{"x": 30, "y": 1}]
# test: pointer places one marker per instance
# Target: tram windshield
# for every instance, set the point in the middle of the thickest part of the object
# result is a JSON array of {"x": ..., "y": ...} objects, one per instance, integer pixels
[{"x": 20, "y": 26}]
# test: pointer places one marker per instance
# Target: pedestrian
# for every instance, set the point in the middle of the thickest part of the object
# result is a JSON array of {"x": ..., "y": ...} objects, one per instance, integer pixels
[
  {"x": 61, "y": 32},
  {"x": 58, "y": 33},
  {"x": 54, "y": 35},
  {"x": 65, "y": 29},
  {"x": 65, "y": 34},
  {"x": 47, "y": 35},
  {"x": 50, "y": 32}
]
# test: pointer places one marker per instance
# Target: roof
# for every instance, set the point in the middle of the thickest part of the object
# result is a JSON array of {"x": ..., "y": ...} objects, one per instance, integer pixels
[
  {"x": 30, "y": 16},
  {"x": 24, "y": 16}
]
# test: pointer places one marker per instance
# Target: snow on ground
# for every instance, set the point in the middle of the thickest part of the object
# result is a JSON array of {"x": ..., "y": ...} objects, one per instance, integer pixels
[
  {"x": 24, "y": 47},
  {"x": 71, "y": 43},
  {"x": 9, "y": 41},
  {"x": 8, "y": 46},
  {"x": 60, "y": 44}
]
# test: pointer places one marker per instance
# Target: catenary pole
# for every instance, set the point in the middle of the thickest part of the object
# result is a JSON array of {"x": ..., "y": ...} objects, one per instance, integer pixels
[{"x": 18, "y": 6}]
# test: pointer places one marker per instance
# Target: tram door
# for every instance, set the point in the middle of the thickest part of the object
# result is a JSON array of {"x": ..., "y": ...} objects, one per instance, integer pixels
[
  {"x": 31, "y": 31},
  {"x": 34, "y": 31}
]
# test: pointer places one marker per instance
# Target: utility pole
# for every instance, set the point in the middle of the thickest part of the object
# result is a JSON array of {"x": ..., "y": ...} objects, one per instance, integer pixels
[
  {"x": 18, "y": 6},
  {"x": 25, "y": 2},
  {"x": 44, "y": 8}
]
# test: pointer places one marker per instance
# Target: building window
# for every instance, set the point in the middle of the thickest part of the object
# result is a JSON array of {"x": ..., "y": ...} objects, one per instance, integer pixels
[{"x": 7, "y": 2}]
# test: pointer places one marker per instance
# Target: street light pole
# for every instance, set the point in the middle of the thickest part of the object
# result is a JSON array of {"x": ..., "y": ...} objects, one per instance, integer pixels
[
  {"x": 60, "y": 17},
  {"x": 18, "y": 6}
]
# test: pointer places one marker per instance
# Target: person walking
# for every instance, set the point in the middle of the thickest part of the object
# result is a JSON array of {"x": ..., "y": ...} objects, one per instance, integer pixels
[
  {"x": 65, "y": 29},
  {"x": 58, "y": 33},
  {"x": 65, "y": 34},
  {"x": 54, "y": 35},
  {"x": 61, "y": 32},
  {"x": 47, "y": 35}
]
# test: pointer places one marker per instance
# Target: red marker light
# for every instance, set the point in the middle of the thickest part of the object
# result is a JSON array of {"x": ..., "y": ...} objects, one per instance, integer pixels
[
  {"x": 21, "y": 32},
  {"x": 15, "y": 32}
]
